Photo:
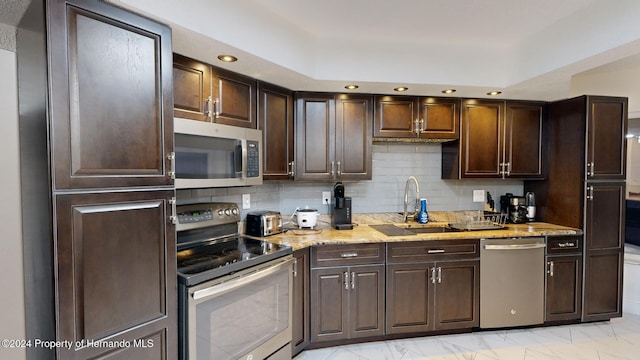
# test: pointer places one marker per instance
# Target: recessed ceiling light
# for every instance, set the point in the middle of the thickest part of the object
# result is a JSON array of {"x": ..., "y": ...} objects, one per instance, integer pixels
[
  {"x": 351, "y": 87},
  {"x": 401, "y": 88},
  {"x": 227, "y": 58},
  {"x": 630, "y": 136},
  {"x": 494, "y": 93},
  {"x": 448, "y": 91}
]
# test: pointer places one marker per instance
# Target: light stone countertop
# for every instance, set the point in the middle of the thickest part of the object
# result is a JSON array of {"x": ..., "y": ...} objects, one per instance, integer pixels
[{"x": 324, "y": 234}]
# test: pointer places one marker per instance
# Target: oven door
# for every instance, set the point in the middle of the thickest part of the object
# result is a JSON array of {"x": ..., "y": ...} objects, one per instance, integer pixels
[{"x": 242, "y": 316}]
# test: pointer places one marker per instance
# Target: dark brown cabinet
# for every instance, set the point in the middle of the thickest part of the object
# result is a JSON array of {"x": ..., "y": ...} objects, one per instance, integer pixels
[
  {"x": 425, "y": 118},
  {"x": 564, "y": 278},
  {"x": 426, "y": 295},
  {"x": 96, "y": 86},
  {"x": 300, "y": 308},
  {"x": 275, "y": 119},
  {"x": 347, "y": 301},
  {"x": 192, "y": 89},
  {"x": 333, "y": 137},
  {"x": 116, "y": 272},
  {"x": 583, "y": 189},
  {"x": 498, "y": 139},
  {"x": 206, "y": 93}
]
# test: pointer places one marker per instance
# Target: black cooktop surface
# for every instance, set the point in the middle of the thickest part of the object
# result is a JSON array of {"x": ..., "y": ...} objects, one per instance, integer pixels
[{"x": 219, "y": 257}]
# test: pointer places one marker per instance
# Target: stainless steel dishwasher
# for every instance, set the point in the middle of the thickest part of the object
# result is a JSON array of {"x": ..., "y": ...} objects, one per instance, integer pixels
[{"x": 512, "y": 273}]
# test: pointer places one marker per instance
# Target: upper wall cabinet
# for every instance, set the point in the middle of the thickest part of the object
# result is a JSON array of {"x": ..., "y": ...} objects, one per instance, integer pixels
[
  {"x": 275, "y": 119},
  {"x": 191, "y": 89},
  {"x": 498, "y": 139},
  {"x": 606, "y": 144},
  {"x": 333, "y": 137},
  {"x": 424, "y": 117},
  {"x": 207, "y": 93}
]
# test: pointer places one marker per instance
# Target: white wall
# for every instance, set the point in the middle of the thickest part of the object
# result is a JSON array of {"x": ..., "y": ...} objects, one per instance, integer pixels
[{"x": 12, "y": 317}]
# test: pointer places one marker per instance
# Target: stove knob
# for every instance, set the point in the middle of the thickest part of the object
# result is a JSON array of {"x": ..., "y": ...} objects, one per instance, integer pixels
[
  {"x": 220, "y": 212},
  {"x": 234, "y": 211},
  {"x": 227, "y": 212}
]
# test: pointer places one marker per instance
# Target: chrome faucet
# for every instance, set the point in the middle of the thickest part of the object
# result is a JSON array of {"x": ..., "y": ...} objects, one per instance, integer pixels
[{"x": 406, "y": 197}]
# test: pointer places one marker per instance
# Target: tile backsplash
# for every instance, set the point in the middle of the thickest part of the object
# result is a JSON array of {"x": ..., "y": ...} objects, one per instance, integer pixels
[{"x": 392, "y": 165}]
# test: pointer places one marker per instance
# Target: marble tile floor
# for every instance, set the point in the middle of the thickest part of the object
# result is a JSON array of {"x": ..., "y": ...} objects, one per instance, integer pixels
[{"x": 617, "y": 339}]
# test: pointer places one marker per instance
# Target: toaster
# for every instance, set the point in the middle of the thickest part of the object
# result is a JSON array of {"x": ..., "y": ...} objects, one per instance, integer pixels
[{"x": 263, "y": 223}]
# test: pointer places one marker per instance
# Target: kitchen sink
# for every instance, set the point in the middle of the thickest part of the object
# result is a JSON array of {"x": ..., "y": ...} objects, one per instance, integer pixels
[{"x": 409, "y": 229}]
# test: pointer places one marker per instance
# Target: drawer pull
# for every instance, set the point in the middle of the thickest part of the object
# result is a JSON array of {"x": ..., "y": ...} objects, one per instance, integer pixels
[
  {"x": 349, "y": 255},
  {"x": 435, "y": 251}
]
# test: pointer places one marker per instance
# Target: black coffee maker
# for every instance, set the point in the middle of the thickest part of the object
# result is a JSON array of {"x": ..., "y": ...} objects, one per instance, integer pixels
[
  {"x": 515, "y": 208},
  {"x": 341, "y": 209}
]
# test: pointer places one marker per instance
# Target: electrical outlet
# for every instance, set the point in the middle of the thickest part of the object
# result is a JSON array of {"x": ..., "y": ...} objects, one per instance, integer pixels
[
  {"x": 326, "y": 197},
  {"x": 246, "y": 201},
  {"x": 478, "y": 196}
]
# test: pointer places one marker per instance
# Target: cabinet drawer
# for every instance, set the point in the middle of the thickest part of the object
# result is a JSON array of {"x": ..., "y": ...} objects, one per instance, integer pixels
[
  {"x": 564, "y": 244},
  {"x": 432, "y": 250},
  {"x": 338, "y": 255}
]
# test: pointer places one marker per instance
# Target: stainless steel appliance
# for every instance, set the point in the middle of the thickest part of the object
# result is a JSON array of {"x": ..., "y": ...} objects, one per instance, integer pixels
[
  {"x": 512, "y": 273},
  {"x": 341, "y": 209},
  {"x": 263, "y": 223},
  {"x": 234, "y": 291},
  {"x": 215, "y": 155},
  {"x": 515, "y": 207}
]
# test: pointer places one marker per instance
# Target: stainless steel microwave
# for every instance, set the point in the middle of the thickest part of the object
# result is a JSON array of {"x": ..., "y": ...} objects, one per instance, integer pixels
[{"x": 214, "y": 155}]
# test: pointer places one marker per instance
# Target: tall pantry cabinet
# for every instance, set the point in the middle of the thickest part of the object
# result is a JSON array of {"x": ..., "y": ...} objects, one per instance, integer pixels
[
  {"x": 585, "y": 188},
  {"x": 96, "y": 141}
]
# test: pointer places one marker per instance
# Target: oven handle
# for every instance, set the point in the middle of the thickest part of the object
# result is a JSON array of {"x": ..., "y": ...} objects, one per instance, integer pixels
[{"x": 241, "y": 281}]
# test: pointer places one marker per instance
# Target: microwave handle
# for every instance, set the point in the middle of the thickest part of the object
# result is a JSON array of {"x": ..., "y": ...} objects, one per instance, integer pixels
[{"x": 237, "y": 157}]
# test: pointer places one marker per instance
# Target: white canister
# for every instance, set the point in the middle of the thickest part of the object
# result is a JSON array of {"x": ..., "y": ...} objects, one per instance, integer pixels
[{"x": 307, "y": 218}]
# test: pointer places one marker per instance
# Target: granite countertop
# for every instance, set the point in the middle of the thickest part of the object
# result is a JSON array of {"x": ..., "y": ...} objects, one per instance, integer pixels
[{"x": 324, "y": 234}]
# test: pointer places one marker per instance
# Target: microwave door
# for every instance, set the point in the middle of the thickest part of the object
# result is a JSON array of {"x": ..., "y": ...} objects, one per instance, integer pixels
[{"x": 237, "y": 161}]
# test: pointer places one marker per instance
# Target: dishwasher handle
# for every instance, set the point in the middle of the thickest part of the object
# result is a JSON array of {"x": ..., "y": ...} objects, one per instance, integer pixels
[{"x": 515, "y": 246}]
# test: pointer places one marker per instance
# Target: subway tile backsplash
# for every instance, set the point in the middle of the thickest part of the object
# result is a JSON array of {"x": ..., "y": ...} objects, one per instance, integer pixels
[{"x": 392, "y": 165}]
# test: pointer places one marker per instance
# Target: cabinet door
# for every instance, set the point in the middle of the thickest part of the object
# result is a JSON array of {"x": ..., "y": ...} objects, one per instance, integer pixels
[
  {"x": 605, "y": 206},
  {"x": 111, "y": 97},
  {"x": 523, "y": 140},
  {"x": 410, "y": 298},
  {"x": 395, "y": 116},
  {"x": 191, "y": 89},
  {"x": 366, "y": 301},
  {"x": 116, "y": 272},
  {"x": 275, "y": 119},
  {"x": 329, "y": 303},
  {"x": 606, "y": 143},
  {"x": 482, "y": 140},
  {"x": 457, "y": 295},
  {"x": 315, "y": 137},
  {"x": 602, "y": 298},
  {"x": 300, "y": 308},
  {"x": 441, "y": 118},
  {"x": 234, "y": 98},
  {"x": 353, "y": 137},
  {"x": 564, "y": 288}
]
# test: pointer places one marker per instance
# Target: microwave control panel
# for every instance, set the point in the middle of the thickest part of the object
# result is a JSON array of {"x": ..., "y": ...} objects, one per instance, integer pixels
[{"x": 253, "y": 159}]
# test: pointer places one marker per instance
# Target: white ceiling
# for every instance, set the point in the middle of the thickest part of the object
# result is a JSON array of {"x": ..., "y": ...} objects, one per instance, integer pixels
[{"x": 527, "y": 49}]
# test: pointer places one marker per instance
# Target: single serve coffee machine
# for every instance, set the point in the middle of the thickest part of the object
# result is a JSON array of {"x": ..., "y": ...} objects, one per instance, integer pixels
[{"x": 340, "y": 209}]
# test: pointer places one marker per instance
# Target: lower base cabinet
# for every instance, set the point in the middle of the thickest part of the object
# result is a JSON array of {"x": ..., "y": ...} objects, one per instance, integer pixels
[
  {"x": 432, "y": 296},
  {"x": 300, "y": 308},
  {"x": 563, "y": 293},
  {"x": 347, "y": 292},
  {"x": 432, "y": 286}
]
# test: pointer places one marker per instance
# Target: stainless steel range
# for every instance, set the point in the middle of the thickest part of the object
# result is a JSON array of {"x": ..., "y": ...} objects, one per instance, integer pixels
[{"x": 234, "y": 291}]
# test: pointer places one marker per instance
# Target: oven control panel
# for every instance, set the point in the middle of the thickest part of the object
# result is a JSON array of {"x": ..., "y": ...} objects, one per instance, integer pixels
[{"x": 194, "y": 216}]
